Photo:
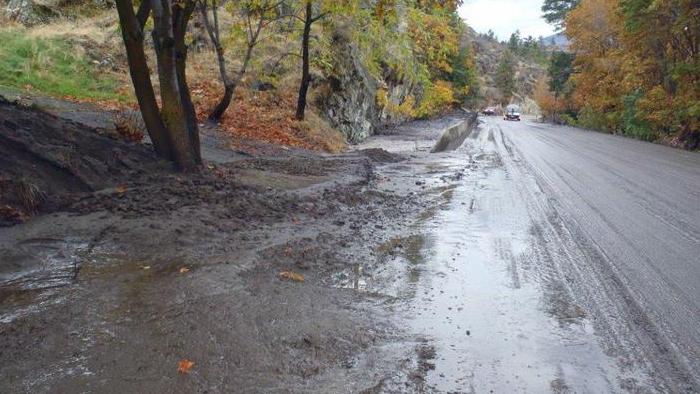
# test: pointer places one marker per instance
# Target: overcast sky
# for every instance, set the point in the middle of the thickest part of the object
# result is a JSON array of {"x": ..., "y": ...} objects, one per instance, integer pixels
[{"x": 506, "y": 16}]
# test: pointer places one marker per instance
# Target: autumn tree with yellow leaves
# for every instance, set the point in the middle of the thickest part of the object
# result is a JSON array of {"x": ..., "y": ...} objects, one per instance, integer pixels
[{"x": 637, "y": 68}]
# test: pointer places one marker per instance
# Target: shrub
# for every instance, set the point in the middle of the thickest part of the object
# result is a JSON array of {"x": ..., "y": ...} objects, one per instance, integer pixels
[
  {"x": 437, "y": 98},
  {"x": 129, "y": 126},
  {"x": 632, "y": 124}
]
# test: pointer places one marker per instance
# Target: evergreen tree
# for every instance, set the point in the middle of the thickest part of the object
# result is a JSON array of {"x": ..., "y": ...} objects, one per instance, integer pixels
[
  {"x": 559, "y": 71},
  {"x": 505, "y": 80},
  {"x": 555, "y": 11},
  {"x": 514, "y": 42}
]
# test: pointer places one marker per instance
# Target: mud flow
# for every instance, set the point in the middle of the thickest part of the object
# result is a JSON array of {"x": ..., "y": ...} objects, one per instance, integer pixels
[{"x": 433, "y": 258}]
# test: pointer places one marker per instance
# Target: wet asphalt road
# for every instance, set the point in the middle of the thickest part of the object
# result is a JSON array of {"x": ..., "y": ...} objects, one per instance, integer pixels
[
  {"x": 562, "y": 260},
  {"x": 638, "y": 204}
]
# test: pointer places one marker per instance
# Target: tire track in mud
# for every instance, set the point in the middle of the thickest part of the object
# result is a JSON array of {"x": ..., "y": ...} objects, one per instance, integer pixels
[
  {"x": 627, "y": 331},
  {"x": 650, "y": 199},
  {"x": 548, "y": 247},
  {"x": 551, "y": 247}
]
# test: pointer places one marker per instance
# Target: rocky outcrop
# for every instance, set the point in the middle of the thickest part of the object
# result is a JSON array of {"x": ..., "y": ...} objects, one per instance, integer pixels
[
  {"x": 33, "y": 12},
  {"x": 349, "y": 96}
]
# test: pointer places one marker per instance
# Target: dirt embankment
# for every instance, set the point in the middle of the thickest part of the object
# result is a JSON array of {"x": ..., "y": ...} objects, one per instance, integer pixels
[
  {"x": 245, "y": 268},
  {"x": 47, "y": 161}
]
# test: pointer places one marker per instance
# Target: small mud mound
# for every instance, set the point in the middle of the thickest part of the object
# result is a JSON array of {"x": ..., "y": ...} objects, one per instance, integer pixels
[
  {"x": 163, "y": 193},
  {"x": 44, "y": 160},
  {"x": 379, "y": 155}
]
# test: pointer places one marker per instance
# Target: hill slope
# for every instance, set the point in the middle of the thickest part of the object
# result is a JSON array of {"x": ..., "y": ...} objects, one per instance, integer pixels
[{"x": 527, "y": 71}]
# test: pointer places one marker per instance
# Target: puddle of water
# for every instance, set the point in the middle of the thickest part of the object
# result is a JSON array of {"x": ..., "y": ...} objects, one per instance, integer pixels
[
  {"x": 411, "y": 247},
  {"x": 399, "y": 264},
  {"x": 351, "y": 278},
  {"x": 49, "y": 265},
  {"x": 45, "y": 263}
]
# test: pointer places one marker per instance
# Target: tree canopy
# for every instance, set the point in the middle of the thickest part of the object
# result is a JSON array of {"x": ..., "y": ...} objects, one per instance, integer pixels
[
  {"x": 636, "y": 68},
  {"x": 555, "y": 11}
]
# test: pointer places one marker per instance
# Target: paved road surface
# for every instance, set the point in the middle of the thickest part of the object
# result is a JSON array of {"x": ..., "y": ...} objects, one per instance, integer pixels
[
  {"x": 639, "y": 205},
  {"x": 562, "y": 260}
]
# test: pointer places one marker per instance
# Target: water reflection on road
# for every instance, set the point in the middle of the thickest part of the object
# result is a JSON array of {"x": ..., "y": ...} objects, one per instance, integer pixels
[{"x": 486, "y": 290}]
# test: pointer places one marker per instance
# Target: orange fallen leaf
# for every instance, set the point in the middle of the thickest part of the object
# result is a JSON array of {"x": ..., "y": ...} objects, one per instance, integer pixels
[
  {"x": 291, "y": 276},
  {"x": 121, "y": 189},
  {"x": 184, "y": 366},
  {"x": 184, "y": 270}
]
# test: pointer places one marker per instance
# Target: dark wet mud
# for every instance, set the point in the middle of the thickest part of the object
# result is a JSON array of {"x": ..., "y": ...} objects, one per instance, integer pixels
[{"x": 108, "y": 290}]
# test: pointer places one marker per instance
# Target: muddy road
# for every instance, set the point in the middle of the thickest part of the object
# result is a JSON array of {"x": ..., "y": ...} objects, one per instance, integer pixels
[{"x": 509, "y": 257}]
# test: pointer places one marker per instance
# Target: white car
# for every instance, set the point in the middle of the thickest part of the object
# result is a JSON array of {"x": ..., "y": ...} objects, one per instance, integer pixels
[{"x": 512, "y": 113}]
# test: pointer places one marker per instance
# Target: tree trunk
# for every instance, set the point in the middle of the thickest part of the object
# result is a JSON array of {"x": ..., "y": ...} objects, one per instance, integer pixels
[
  {"x": 223, "y": 104},
  {"x": 132, "y": 33},
  {"x": 173, "y": 110},
  {"x": 181, "y": 16},
  {"x": 230, "y": 87},
  {"x": 213, "y": 32},
  {"x": 305, "y": 77}
]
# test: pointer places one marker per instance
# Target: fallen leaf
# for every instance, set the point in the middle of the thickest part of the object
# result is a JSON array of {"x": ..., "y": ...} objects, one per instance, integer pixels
[
  {"x": 121, "y": 189},
  {"x": 184, "y": 366},
  {"x": 146, "y": 267},
  {"x": 184, "y": 270},
  {"x": 288, "y": 251},
  {"x": 291, "y": 276}
]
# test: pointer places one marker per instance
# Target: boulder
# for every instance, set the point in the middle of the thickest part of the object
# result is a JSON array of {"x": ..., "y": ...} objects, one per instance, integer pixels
[{"x": 33, "y": 12}]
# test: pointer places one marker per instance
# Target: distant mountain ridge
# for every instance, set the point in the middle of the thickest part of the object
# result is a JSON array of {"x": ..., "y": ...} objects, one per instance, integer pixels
[{"x": 559, "y": 40}]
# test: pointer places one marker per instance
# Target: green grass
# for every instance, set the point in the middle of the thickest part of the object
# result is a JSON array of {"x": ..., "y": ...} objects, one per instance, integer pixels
[{"x": 52, "y": 67}]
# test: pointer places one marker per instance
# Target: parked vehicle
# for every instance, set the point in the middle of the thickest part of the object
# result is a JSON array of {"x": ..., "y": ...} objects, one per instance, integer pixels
[
  {"x": 490, "y": 111},
  {"x": 512, "y": 113}
]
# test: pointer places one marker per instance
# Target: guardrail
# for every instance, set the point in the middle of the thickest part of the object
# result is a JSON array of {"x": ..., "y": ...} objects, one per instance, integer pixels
[{"x": 453, "y": 136}]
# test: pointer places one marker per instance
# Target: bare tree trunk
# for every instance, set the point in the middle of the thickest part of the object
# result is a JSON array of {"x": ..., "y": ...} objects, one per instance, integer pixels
[
  {"x": 305, "y": 76},
  {"x": 181, "y": 16},
  {"x": 213, "y": 32},
  {"x": 173, "y": 109},
  {"x": 230, "y": 88},
  {"x": 230, "y": 85},
  {"x": 132, "y": 33}
]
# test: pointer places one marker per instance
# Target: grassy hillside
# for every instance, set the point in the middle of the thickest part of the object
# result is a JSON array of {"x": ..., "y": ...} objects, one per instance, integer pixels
[{"x": 55, "y": 66}]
